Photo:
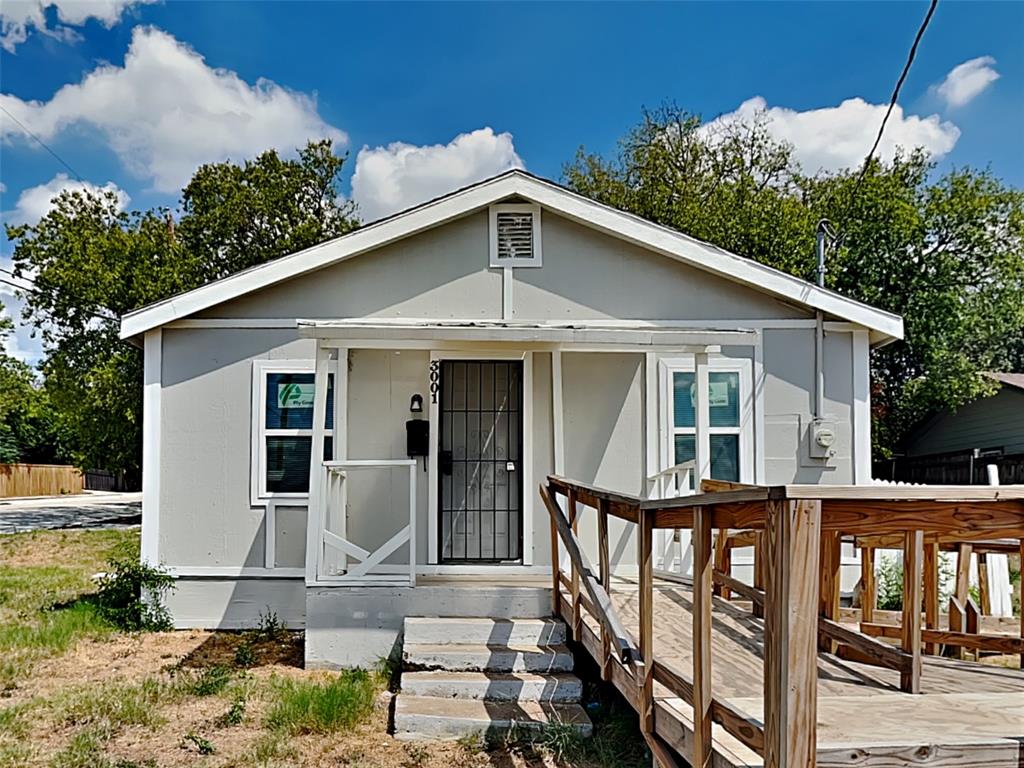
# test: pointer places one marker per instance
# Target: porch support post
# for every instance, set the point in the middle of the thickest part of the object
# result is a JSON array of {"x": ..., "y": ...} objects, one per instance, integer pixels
[
  {"x": 791, "y": 544},
  {"x": 701, "y": 417},
  {"x": 315, "y": 511}
]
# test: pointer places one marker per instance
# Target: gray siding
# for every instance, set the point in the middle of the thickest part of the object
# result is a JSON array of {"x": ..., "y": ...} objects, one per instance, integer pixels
[
  {"x": 444, "y": 273},
  {"x": 205, "y": 515},
  {"x": 991, "y": 422}
]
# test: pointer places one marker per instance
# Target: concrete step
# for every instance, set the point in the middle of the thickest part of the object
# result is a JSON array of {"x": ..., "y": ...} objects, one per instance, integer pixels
[
  {"x": 445, "y": 631},
  {"x": 561, "y": 688},
  {"x": 419, "y": 718},
  {"x": 488, "y": 658}
]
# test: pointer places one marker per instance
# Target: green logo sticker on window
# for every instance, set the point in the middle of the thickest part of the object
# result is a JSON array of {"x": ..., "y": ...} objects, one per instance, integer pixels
[{"x": 294, "y": 395}]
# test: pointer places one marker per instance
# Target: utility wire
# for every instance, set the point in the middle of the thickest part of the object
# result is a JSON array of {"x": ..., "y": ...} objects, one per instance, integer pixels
[
  {"x": 888, "y": 112},
  {"x": 33, "y": 289},
  {"x": 43, "y": 144}
]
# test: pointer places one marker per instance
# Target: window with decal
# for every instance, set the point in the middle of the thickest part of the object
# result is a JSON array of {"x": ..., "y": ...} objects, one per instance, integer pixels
[
  {"x": 729, "y": 416},
  {"x": 284, "y": 433}
]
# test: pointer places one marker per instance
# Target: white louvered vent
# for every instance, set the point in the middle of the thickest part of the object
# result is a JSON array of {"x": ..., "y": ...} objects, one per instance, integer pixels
[{"x": 515, "y": 235}]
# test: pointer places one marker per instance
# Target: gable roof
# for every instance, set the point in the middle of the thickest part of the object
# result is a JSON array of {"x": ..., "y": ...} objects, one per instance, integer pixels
[
  {"x": 884, "y": 326},
  {"x": 1009, "y": 379}
]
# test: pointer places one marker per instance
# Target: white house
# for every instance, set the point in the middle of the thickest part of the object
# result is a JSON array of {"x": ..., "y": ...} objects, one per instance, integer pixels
[{"x": 532, "y": 331}]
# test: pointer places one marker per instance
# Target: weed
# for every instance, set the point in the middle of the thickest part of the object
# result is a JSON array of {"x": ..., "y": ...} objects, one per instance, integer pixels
[
  {"x": 85, "y": 750},
  {"x": 417, "y": 754},
  {"x": 125, "y": 763},
  {"x": 206, "y": 682},
  {"x": 267, "y": 750},
  {"x": 300, "y": 706},
  {"x": 203, "y": 746},
  {"x": 472, "y": 742},
  {"x": 235, "y": 714},
  {"x": 269, "y": 626},
  {"x": 560, "y": 739},
  {"x": 131, "y": 594},
  {"x": 245, "y": 656}
]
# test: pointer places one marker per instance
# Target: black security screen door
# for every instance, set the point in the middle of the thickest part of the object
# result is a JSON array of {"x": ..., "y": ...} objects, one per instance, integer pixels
[{"x": 480, "y": 488}]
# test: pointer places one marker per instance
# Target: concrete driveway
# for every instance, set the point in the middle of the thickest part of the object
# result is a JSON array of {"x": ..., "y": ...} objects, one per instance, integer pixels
[{"x": 93, "y": 509}]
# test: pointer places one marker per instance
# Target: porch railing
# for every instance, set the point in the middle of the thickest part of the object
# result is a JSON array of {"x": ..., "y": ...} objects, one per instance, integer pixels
[
  {"x": 337, "y": 550},
  {"x": 673, "y": 554}
]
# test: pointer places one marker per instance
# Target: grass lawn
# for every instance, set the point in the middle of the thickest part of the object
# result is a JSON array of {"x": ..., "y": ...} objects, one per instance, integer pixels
[{"x": 77, "y": 693}]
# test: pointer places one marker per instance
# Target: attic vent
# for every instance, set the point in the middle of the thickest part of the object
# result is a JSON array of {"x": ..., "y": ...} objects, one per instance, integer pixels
[{"x": 515, "y": 236}]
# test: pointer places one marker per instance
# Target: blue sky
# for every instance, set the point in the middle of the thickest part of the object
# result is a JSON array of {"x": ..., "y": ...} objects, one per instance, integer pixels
[{"x": 426, "y": 97}]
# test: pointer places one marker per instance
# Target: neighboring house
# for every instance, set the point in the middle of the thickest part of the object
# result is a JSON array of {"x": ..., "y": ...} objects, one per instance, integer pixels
[
  {"x": 535, "y": 331},
  {"x": 954, "y": 447}
]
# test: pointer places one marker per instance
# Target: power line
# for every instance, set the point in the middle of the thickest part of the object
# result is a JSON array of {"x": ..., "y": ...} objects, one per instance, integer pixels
[
  {"x": 43, "y": 144},
  {"x": 33, "y": 289},
  {"x": 888, "y": 112}
]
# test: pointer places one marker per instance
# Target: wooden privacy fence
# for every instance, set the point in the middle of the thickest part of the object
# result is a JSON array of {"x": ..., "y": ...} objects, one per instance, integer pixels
[
  {"x": 796, "y": 530},
  {"x": 39, "y": 480}
]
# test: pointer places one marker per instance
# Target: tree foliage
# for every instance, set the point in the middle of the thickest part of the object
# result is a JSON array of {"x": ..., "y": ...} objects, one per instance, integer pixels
[
  {"x": 92, "y": 262},
  {"x": 946, "y": 252}
]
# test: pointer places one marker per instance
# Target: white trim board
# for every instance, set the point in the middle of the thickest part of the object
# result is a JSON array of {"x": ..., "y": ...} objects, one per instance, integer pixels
[
  {"x": 152, "y": 372},
  {"x": 884, "y": 326}
]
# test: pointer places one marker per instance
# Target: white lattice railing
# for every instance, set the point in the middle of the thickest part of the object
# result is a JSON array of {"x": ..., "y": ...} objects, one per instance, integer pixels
[
  {"x": 672, "y": 552},
  {"x": 336, "y": 550}
]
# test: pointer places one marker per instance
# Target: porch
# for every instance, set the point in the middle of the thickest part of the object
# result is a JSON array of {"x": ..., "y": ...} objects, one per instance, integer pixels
[{"x": 485, "y": 416}]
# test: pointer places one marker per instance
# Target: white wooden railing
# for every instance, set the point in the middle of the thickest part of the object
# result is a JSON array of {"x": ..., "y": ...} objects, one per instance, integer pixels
[
  {"x": 336, "y": 549},
  {"x": 673, "y": 554}
]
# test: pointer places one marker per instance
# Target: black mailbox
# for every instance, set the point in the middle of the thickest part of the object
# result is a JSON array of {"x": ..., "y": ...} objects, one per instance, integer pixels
[{"x": 417, "y": 437}]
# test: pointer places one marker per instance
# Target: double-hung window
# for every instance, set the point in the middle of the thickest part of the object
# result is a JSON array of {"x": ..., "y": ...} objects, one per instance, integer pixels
[
  {"x": 283, "y": 395},
  {"x": 730, "y": 410}
]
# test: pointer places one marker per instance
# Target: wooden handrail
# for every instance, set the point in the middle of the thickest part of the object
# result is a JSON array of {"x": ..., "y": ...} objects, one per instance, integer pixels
[
  {"x": 975, "y": 641},
  {"x": 603, "y": 609}
]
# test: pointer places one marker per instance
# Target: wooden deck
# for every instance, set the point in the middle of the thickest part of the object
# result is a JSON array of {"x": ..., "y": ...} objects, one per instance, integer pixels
[
  {"x": 781, "y": 681},
  {"x": 968, "y": 714}
]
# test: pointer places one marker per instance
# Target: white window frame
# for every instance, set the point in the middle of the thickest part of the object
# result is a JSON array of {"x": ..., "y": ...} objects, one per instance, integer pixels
[
  {"x": 261, "y": 369},
  {"x": 531, "y": 208},
  {"x": 716, "y": 364}
]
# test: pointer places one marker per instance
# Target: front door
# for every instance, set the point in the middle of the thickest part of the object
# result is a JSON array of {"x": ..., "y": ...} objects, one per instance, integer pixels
[{"x": 480, "y": 488}]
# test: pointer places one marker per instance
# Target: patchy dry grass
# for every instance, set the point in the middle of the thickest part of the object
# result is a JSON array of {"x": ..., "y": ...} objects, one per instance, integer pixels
[{"x": 78, "y": 694}]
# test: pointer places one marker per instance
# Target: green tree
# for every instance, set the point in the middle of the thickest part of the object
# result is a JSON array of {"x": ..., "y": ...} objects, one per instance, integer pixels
[
  {"x": 91, "y": 263},
  {"x": 947, "y": 253}
]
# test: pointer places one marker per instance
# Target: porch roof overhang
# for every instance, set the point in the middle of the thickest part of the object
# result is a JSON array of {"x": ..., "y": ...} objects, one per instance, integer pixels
[{"x": 587, "y": 333}]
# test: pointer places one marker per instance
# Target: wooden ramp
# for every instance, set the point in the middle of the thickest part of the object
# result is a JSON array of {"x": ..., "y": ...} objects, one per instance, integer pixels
[
  {"x": 968, "y": 714},
  {"x": 780, "y": 681}
]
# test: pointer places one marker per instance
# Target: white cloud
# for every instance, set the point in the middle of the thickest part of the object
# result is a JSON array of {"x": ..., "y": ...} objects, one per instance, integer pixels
[
  {"x": 165, "y": 112},
  {"x": 21, "y": 344},
  {"x": 966, "y": 81},
  {"x": 18, "y": 16},
  {"x": 839, "y": 137},
  {"x": 398, "y": 176},
  {"x": 35, "y": 202}
]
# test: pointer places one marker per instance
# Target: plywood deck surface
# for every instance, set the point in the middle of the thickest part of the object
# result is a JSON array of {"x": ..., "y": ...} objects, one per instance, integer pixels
[{"x": 858, "y": 705}]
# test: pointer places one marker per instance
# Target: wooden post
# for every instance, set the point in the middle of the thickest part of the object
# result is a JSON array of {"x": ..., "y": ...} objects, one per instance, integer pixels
[
  {"x": 604, "y": 566},
  {"x": 556, "y": 566},
  {"x": 931, "y": 592},
  {"x": 575, "y": 578},
  {"x": 828, "y": 589},
  {"x": 869, "y": 593},
  {"x": 957, "y": 622},
  {"x": 792, "y": 549},
  {"x": 984, "y": 595},
  {"x": 723, "y": 561},
  {"x": 1020, "y": 586},
  {"x": 702, "y": 585},
  {"x": 758, "y": 608},
  {"x": 913, "y": 554},
  {"x": 963, "y": 573},
  {"x": 646, "y": 563}
]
